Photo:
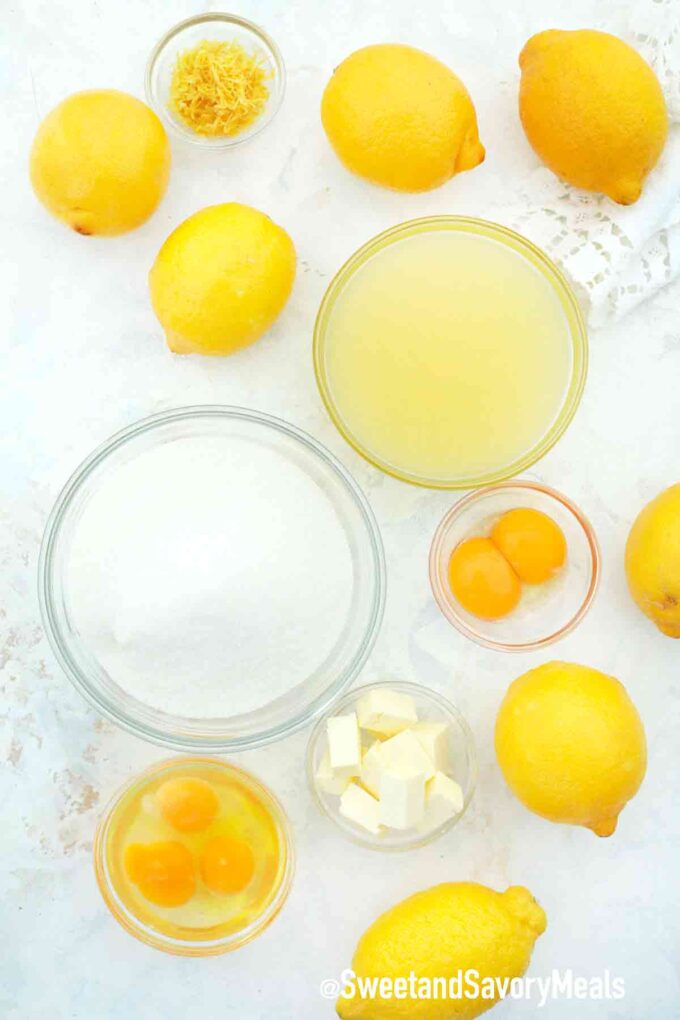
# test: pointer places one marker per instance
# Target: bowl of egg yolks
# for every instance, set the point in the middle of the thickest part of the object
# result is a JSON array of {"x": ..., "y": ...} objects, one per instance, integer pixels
[
  {"x": 194, "y": 856},
  {"x": 514, "y": 566}
]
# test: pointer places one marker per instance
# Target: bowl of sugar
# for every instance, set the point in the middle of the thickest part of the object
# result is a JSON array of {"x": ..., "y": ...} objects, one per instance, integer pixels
[{"x": 211, "y": 579}]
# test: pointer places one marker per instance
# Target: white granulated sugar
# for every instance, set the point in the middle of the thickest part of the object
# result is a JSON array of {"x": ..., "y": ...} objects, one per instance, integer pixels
[{"x": 209, "y": 576}]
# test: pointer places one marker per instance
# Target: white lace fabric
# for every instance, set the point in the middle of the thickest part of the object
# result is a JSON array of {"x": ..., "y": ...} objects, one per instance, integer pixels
[{"x": 616, "y": 256}]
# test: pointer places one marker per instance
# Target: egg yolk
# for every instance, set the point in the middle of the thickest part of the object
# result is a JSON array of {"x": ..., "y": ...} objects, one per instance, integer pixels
[
  {"x": 482, "y": 580},
  {"x": 163, "y": 872},
  {"x": 532, "y": 543},
  {"x": 189, "y": 805},
  {"x": 227, "y": 864}
]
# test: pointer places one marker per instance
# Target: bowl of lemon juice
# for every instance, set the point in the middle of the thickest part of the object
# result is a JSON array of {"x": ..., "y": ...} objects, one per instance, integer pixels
[{"x": 450, "y": 352}]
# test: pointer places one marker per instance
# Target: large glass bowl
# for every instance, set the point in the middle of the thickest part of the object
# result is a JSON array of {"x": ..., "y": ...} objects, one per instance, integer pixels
[
  {"x": 306, "y": 696},
  {"x": 536, "y": 259}
]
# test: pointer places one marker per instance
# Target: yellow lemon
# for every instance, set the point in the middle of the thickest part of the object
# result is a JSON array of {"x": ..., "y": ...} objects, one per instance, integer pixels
[
  {"x": 653, "y": 561},
  {"x": 571, "y": 745},
  {"x": 457, "y": 926},
  {"x": 221, "y": 278},
  {"x": 400, "y": 118},
  {"x": 593, "y": 110},
  {"x": 100, "y": 162}
]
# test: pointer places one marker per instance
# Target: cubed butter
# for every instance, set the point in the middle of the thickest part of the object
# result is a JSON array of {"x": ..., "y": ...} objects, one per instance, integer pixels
[
  {"x": 404, "y": 752},
  {"x": 360, "y": 807},
  {"x": 434, "y": 739},
  {"x": 332, "y": 780},
  {"x": 344, "y": 744},
  {"x": 372, "y": 766},
  {"x": 386, "y": 712},
  {"x": 443, "y": 799},
  {"x": 402, "y": 799}
]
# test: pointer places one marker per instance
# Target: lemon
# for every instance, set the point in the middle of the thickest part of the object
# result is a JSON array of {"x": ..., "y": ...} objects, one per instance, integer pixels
[
  {"x": 593, "y": 110},
  {"x": 571, "y": 745},
  {"x": 653, "y": 561},
  {"x": 457, "y": 926},
  {"x": 100, "y": 162},
  {"x": 400, "y": 118},
  {"x": 221, "y": 278}
]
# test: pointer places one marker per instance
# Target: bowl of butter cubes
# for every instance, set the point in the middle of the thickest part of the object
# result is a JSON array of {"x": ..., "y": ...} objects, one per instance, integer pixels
[{"x": 393, "y": 765}]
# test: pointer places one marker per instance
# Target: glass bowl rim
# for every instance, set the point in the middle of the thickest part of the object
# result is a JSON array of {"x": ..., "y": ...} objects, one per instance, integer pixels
[
  {"x": 271, "y": 109},
  {"x": 418, "y": 691},
  {"x": 446, "y": 603},
  {"x": 177, "y": 947},
  {"x": 551, "y": 271},
  {"x": 185, "y": 741}
]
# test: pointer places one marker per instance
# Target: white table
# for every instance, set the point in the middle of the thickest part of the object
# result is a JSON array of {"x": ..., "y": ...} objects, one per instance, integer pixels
[{"x": 86, "y": 357}]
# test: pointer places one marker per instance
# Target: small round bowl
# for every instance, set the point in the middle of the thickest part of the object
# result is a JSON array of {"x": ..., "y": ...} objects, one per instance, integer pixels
[
  {"x": 307, "y": 695},
  {"x": 219, "y": 28},
  {"x": 177, "y": 939},
  {"x": 547, "y": 611},
  {"x": 431, "y": 707}
]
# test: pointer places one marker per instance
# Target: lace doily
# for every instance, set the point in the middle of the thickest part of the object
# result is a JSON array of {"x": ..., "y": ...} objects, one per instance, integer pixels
[
  {"x": 616, "y": 256},
  {"x": 655, "y": 31}
]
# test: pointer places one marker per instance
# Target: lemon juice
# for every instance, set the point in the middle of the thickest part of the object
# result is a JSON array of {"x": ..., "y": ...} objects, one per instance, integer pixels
[{"x": 445, "y": 352}]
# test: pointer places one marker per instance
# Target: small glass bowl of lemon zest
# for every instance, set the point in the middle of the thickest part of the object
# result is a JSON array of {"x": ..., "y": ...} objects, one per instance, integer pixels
[
  {"x": 215, "y": 80},
  {"x": 218, "y": 89}
]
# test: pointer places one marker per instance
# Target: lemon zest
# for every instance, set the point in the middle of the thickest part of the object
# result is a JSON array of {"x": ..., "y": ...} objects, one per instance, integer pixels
[{"x": 218, "y": 89}]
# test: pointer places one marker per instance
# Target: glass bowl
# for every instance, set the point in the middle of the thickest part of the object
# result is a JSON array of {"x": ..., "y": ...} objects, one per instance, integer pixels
[
  {"x": 173, "y": 937},
  {"x": 546, "y": 612},
  {"x": 431, "y": 707},
  {"x": 539, "y": 262},
  {"x": 298, "y": 698},
  {"x": 217, "y": 27}
]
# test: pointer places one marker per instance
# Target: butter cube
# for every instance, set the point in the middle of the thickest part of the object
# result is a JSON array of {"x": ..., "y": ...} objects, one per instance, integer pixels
[
  {"x": 434, "y": 739},
  {"x": 443, "y": 799},
  {"x": 344, "y": 744},
  {"x": 332, "y": 780},
  {"x": 372, "y": 766},
  {"x": 386, "y": 712},
  {"x": 359, "y": 807},
  {"x": 402, "y": 799},
  {"x": 404, "y": 752}
]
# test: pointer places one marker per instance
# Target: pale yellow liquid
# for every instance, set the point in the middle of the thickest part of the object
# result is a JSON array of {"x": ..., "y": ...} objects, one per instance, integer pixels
[{"x": 447, "y": 356}]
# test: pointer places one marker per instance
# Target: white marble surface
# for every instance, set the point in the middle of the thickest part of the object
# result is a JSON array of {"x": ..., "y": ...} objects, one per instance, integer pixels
[{"x": 84, "y": 356}]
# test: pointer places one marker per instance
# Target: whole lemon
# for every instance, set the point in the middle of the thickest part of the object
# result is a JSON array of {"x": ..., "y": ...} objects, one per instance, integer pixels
[
  {"x": 221, "y": 278},
  {"x": 571, "y": 745},
  {"x": 653, "y": 561},
  {"x": 593, "y": 110},
  {"x": 435, "y": 934},
  {"x": 400, "y": 118},
  {"x": 100, "y": 162}
]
